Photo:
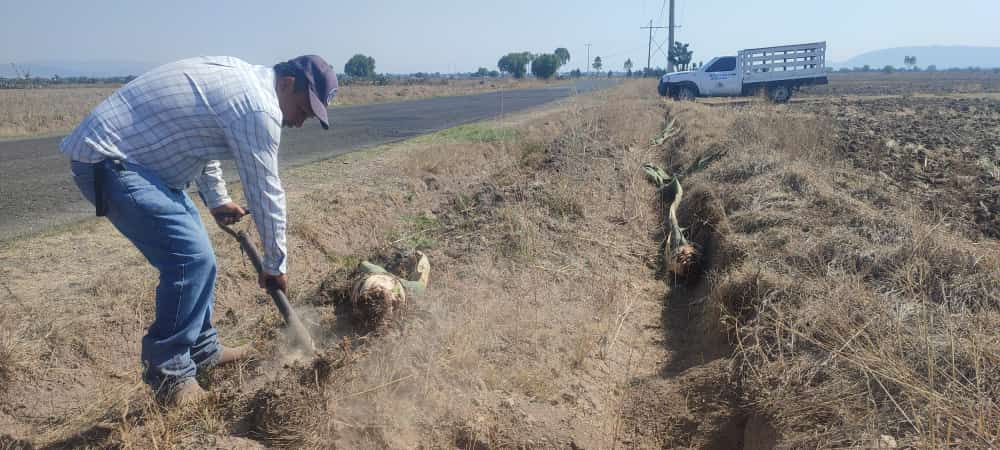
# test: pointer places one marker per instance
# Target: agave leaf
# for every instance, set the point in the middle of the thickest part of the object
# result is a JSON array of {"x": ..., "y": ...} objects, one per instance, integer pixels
[
  {"x": 369, "y": 267},
  {"x": 657, "y": 176},
  {"x": 667, "y": 133}
]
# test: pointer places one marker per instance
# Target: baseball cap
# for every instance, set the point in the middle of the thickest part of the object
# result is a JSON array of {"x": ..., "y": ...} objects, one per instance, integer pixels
[{"x": 322, "y": 84}]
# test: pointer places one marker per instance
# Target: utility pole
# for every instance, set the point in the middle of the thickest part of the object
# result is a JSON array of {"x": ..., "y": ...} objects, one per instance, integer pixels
[
  {"x": 587, "y": 66},
  {"x": 649, "y": 53},
  {"x": 670, "y": 38}
]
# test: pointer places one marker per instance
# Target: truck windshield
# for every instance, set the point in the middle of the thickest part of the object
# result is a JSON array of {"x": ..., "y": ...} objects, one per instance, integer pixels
[{"x": 725, "y": 64}]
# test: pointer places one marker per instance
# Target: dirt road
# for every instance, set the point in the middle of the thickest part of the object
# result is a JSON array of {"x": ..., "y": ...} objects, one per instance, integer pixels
[{"x": 36, "y": 193}]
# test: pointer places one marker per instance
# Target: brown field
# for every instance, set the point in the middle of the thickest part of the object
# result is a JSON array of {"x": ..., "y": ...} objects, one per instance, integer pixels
[
  {"x": 850, "y": 293},
  {"x": 360, "y": 94},
  {"x": 898, "y": 83},
  {"x": 34, "y": 112}
]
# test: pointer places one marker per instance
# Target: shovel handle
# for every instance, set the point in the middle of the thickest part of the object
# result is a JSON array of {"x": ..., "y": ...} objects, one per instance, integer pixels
[{"x": 280, "y": 300}]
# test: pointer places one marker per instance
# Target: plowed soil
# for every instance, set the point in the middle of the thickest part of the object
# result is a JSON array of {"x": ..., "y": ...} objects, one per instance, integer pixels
[{"x": 939, "y": 149}]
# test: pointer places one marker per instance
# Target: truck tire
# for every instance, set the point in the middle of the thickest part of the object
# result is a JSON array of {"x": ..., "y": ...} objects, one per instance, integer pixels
[
  {"x": 685, "y": 93},
  {"x": 662, "y": 89},
  {"x": 779, "y": 93}
]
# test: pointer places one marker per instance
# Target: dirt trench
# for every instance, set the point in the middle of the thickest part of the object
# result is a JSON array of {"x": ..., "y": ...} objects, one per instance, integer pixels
[{"x": 694, "y": 401}]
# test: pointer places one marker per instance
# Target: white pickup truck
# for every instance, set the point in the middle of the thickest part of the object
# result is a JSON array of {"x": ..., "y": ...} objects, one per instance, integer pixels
[{"x": 773, "y": 71}]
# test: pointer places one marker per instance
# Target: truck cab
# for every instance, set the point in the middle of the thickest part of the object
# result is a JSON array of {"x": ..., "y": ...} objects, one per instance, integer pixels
[
  {"x": 775, "y": 71},
  {"x": 718, "y": 78}
]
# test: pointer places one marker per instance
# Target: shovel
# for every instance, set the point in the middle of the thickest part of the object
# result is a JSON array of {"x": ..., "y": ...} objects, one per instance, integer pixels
[{"x": 298, "y": 332}]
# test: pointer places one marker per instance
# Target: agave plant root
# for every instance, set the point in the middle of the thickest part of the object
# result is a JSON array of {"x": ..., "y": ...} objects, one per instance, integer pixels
[
  {"x": 682, "y": 258},
  {"x": 378, "y": 296}
]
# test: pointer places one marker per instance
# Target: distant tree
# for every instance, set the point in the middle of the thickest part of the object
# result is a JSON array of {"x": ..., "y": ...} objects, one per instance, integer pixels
[
  {"x": 515, "y": 63},
  {"x": 866, "y": 68},
  {"x": 910, "y": 62},
  {"x": 482, "y": 72},
  {"x": 360, "y": 66},
  {"x": 680, "y": 55},
  {"x": 843, "y": 69},
  {"x": 575, "y": 73},
  {"x": 610, "y": 73},
  {"x": 505, "y": 64},
  {"x": 597, "y": 64},
  {"x": 628, "y": 67},
  {"x": 889, "y": 69},
  {"x": 545, "y": 65},
  {"x": 932, "y": 68},
  {"x": 494, "y": 74},
  {"x": 563, "y": 55}
]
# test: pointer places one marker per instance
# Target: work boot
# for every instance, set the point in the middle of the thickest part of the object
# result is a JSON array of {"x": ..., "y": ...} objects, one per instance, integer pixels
[
  {"x": 235, "y": 354},
  {"x": 187, "y": 392}
]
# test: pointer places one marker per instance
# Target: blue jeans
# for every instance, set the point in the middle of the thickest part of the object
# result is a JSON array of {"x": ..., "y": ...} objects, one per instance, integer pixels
[{"x": 164, "y": 225}]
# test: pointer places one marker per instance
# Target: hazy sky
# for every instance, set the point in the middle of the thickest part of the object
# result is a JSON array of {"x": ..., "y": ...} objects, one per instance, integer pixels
[{"x": 449, "y": 35}]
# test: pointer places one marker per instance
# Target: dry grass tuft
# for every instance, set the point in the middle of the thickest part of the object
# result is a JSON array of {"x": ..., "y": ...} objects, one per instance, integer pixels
[
  {"x": 13, "y": 355},
  {"x": 285, "y": 416}
]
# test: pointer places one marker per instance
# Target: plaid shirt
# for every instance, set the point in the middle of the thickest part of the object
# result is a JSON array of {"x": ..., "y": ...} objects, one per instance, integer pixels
[{"x": 180, "y": 119}]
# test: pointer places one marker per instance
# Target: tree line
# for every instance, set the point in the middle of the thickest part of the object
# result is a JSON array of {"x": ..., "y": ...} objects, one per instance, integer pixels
[
  {"x": 889, "y": 68},
  {"x": 543, "y": 65},
  {"x": 29, "y": 82}
]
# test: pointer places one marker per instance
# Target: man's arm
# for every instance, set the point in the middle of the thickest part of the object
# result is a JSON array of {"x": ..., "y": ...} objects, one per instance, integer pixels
[
  {"x": 254, "y": 141},
  {"x": 212, "y": 189},
  {"x": 211, "y": 186}
]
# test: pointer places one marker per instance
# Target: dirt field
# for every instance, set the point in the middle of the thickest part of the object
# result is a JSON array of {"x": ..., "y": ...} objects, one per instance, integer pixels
[
  {"x": 943, "y": 151},
  {"x": 34, "y": 112},
  {"x": 898, "y": 83},
  {"x": 841, "y": 304},
  {"x": 364, "y": 94}
]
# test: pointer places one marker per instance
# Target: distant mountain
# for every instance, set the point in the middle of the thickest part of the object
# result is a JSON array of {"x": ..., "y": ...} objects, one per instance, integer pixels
[
  {"x": 47, "y": 69},
  {"x": 943, "y": 57}
]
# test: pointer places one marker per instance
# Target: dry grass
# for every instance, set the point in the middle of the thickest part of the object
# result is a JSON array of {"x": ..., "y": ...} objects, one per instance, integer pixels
[
  {"x": 13, "y": 355},
  {"x": 32, "y": 112},
  {"x": 848, "y": 322},
  {"x": 361, "y": 94}
]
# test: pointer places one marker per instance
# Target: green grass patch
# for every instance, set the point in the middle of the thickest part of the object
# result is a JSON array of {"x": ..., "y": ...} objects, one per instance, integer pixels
[
  {"x": 478, "y": 132},
  {"x": 417, "y": 232}
]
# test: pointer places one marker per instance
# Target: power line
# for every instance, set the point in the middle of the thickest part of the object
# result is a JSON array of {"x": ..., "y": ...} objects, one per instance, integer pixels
[
  {"x": 588, "y": 58},
  {"x": 649, "y": 50},
  {"x": 663, "y": 6}
]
